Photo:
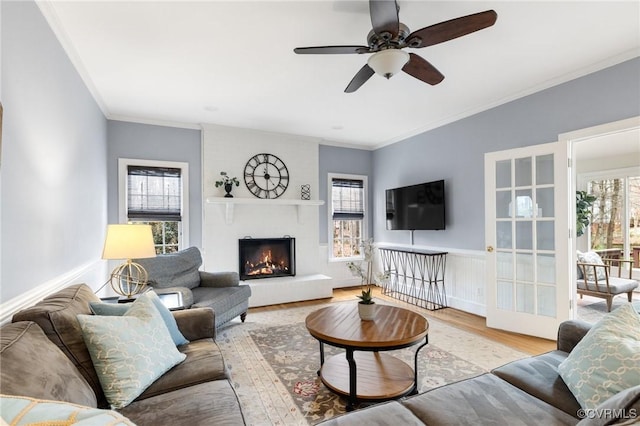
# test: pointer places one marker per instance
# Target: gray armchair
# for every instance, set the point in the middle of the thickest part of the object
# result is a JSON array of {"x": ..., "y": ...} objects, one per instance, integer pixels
[{"x": 179, "y": 272}]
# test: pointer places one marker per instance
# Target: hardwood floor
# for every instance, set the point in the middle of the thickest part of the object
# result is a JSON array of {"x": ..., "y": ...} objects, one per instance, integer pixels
[{"x": 463, "y": 320}]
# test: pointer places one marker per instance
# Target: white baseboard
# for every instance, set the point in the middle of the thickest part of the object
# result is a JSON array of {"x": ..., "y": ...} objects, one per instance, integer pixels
[
  {"x": 467, "y": 306},
  {"x": 31, "y": 297}
]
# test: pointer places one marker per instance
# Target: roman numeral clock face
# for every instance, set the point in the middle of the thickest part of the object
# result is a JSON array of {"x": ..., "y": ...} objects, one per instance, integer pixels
[{"x": 266, "y": 176}]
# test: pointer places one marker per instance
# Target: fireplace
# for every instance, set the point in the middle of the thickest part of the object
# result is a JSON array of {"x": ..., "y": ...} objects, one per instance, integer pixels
[{"x": 267, "y": 257}]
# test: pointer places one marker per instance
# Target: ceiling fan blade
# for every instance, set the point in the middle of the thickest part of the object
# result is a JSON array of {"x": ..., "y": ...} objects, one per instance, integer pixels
[
  {"x": 331, "y": 50},
  {"x": 454, "y": 28},
  {"x": 359, "y": 79},
  {"x": 421, "y": 69},
  {"x": 384, "y": 17}
]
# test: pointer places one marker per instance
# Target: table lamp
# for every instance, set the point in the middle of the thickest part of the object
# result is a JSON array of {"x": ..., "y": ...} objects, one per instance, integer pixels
[{"x": 128, "y": 242}]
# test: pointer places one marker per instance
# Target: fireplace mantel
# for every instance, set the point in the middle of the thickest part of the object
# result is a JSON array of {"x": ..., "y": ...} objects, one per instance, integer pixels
[{"x": 230, "y": 204}]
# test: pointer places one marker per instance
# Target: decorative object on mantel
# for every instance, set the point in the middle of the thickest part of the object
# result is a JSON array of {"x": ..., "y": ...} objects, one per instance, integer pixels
[
  {"x": 228, "y": 183},
  {"x": 583, "y": 211},
  {"x": 266, "y": 176},
  {"x": 305, "y": 192},
  {"x": 128, "y": 241},
  {"x": 366, "y": 305}
]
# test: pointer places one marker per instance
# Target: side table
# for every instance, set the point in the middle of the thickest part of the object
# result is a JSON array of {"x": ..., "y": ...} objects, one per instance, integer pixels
[{"x": 173, "y": 301}]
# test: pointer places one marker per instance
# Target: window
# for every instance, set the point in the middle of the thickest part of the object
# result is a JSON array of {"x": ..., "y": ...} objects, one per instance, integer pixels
[
  {"x": 154, "y": 193},
  {"x": 615, "y": 221},
  {"x": 347, "y": 214}
]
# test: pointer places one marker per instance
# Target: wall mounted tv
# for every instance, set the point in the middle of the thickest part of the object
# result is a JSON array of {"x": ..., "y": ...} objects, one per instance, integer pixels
[{"x": 416, "y": 207}]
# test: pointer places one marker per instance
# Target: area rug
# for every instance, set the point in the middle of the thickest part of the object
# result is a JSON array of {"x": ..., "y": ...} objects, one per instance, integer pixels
[
  {"x": 593, "y": 312},
  {"x": 273, "y": 363}
]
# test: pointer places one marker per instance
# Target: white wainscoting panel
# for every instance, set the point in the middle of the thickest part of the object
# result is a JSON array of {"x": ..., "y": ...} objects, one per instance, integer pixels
[
  {"x": 465, "y": 281},
  {"x": 464, "y": 278},
  {"x": 91, "y": 273}
]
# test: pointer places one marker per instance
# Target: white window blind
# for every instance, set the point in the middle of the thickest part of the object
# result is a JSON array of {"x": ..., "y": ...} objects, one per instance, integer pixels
[
  {"x": 154, "y": 193},
  {"x": 347, "y": 199}
]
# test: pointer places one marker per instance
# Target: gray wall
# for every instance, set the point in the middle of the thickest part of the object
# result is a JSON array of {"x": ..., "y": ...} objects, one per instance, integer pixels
[
  {"x": 455, "y": 152},
  {"x": 54, "y": 184},
  {"x": 342, "y": 160},
  {"x": 148, "y": 142}
]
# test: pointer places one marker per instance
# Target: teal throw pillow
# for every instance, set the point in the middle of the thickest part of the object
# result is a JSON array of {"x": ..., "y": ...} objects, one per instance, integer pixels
[
  {"x": 129, "y": 352},
  {"x": 607, "y": 359},
  {"x": 119, "y": 309},
  {"x": 30, "y": 411}
]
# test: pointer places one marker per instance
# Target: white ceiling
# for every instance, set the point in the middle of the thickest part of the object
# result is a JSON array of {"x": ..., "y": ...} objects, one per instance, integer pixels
[{"x": 232, "y": 62}]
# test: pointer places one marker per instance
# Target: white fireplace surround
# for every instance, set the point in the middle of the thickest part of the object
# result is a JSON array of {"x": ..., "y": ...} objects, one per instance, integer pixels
[{"x": 225, "y": 220}]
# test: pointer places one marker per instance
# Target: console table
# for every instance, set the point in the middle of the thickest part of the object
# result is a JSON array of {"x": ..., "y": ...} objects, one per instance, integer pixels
[{"x": 415, "y": 276}]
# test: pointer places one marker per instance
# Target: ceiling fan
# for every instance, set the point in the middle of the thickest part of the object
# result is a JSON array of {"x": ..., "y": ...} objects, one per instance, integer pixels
[{"x": 389, "y": 36}]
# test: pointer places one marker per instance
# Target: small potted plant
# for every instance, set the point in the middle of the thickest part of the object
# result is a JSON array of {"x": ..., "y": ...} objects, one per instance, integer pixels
[
  {"x": 366, "y": 306},
  {"x": 228, "y": 183}
]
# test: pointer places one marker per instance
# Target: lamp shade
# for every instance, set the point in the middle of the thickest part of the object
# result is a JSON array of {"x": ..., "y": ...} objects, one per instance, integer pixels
[
  {"x": 388, "y": 62},
  {"x": 128, "y": 242}
]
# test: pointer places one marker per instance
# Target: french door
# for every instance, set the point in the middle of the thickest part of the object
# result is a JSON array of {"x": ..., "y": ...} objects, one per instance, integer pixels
[{"x": 527, "y": 239}]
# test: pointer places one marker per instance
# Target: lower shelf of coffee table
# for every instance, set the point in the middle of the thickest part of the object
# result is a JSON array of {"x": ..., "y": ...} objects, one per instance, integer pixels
[{"x": 378, "y": 376}]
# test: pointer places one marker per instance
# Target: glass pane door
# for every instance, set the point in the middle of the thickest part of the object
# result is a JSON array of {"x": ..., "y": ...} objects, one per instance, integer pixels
[
  {"x": 523, "y": 246},
  {"x": 525, "y": 249}
]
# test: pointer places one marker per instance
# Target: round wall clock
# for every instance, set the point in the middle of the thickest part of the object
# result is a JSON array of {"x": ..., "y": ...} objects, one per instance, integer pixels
[{"x": 266, "y": 176}]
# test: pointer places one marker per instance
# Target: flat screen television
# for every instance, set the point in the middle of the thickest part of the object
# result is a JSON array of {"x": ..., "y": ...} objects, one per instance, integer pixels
[{"x": 416, "y": 207}]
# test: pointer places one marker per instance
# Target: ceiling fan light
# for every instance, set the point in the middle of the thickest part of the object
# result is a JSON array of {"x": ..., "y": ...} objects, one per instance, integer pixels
[{"x": 388, "y": 62}]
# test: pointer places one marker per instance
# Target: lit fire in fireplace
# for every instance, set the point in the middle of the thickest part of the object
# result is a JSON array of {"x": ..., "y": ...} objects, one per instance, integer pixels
[
  {"x": 266, "y": 257},
  {"x": 266, "y": 266}
]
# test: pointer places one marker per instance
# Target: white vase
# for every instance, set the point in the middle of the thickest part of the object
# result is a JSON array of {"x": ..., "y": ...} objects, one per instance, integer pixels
[{"x": 367, "y": 312}]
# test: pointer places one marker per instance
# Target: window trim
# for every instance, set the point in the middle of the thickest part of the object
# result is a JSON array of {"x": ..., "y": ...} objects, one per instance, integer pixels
[
  {"x": 124, "y": 163},
  {"x": 365, "y": 230}
]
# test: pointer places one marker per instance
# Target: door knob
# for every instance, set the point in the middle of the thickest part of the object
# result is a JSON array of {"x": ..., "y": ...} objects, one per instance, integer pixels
[{"x": 490, "y": 249}]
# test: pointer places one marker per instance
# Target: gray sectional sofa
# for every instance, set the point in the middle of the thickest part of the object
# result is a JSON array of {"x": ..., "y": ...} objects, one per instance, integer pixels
[{"x": 43, "y": 355}]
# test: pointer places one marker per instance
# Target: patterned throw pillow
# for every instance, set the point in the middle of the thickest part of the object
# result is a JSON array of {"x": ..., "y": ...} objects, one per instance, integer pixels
[
  {"x": 119, "y": 309},
  {"x": 592, "y": 257},
  {"x": 129, "y": 352},
  {"x": 607, "y": 360},
  {"x": 30, "y": 411}
]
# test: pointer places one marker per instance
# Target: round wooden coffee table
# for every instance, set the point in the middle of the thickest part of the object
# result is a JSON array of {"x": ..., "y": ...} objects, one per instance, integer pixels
[{"x": 368, "y": 375}]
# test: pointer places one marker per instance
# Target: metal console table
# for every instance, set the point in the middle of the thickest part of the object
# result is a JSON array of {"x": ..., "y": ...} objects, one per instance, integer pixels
[{"x": 415, "y": 276}]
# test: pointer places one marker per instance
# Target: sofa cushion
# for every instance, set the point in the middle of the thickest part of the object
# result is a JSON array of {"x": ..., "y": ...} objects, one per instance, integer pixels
[
  {"x": 31, "y": 365},
  {"x": 607, "y": 359},
  {"x": 389, "y": 413},
  {"x": 204, "y": 363},
  {"x": 484, "y": 400},
  {"x": 220, "y": 299},
  {"x": 178, "y": 269},
  {"x": 593, "y": 258},
  {"x": 210, "y": 403},
  {"x": 129, "y": 352},
  {"x": 616, "y": 285},
  {"x": 119, "y": 309},
  {"x": 56, "y": 316},
  {"x": 539, "y": 377},
  {"x": 29, "y": 411}
]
